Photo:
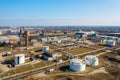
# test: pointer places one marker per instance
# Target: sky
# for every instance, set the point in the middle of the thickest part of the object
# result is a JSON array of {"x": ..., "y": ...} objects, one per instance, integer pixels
[{"x": 59, "y": 12}]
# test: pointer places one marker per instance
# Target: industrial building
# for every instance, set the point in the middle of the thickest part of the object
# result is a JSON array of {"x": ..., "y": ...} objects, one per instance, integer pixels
[
  {"x": 45, "y": 39},
  {"x": 45, "y": 48},
  {"x": 55, "y": 41},
  {"x": 49, "y": 55},
  {"x": 118, "y": 41},
  {"x": 47, "y": 58},
  {"x": 52, "y": 54},
  {"x": 77, "y": 65},
  {"x": 19, "y": 58},
  {"x": 64, "y": 38},
  {"x": 84, "y": 34},
  {"x": 9, "y": 39},
  {"x": 14, "y": 32},
  {"x": 4, "y": 39},
  {"x": 91, "y": 60},
  {"x": 110, "y": 43}
]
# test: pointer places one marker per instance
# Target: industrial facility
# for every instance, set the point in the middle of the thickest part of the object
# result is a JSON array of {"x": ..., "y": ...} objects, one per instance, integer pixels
[{"x": 49, "y": 50}]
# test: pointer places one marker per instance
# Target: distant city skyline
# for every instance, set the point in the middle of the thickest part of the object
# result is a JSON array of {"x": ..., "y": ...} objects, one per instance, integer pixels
[{"x": 60, "y": 12}]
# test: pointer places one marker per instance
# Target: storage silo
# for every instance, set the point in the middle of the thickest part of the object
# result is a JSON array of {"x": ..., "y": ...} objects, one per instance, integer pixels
[
  {"x": 45, "y": 48},
  {"x": 19, "y": 58},
  {"x": 77, "y": 65},
  {"x": 91, "y": 60}
]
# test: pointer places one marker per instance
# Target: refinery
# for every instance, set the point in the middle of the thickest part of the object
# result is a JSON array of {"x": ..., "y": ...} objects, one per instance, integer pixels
[{"x": 41, "y": 50}]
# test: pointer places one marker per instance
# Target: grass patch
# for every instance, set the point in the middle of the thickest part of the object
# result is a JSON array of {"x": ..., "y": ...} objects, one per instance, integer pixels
[
  {"x": 23, "y": 68},
  {"x": 10, "y": 72},
  {"x": 78, "y": 50},
  {"x": 42, "y": 64}
]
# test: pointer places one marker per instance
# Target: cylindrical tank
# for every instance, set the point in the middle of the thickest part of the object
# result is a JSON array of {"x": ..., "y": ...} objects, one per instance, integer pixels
[
  {"x": 77, "y": 65},
  {"x": 91, "y": 60},
  {"x": 19, "y": 58},
  {"x": 45, "y": 48}
]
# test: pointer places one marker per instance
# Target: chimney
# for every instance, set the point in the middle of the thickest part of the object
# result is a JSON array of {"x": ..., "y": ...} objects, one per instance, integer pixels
[{"x": 26, "y": 38}]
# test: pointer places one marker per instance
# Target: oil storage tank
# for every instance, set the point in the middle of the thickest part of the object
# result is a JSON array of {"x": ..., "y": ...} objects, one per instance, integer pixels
[
  {"x": 19, "y": 58},
  {"x": 77, "y": 65},
  {"x": 91, "y": 60}
]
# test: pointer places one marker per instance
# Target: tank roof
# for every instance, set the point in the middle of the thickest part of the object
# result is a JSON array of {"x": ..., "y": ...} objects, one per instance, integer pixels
[
  {"x": 90, "y": 57},
  {"x": 76, "y": 61}
]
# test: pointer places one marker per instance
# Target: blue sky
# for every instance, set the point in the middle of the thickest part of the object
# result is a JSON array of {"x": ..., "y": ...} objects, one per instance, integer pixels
[{"x": 59, "y": 12}]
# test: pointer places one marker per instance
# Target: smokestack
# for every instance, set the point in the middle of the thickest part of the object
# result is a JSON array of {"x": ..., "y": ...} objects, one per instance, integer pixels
[
  {"x": 20, "y": 36},
  {"x": 26, "y": 38}
]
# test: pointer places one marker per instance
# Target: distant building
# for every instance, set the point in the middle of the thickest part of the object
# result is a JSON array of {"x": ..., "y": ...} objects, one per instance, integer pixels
[
  {"x": 45, "y": 48},
  {"x": 9, "y": 39},
  {"x": 4, "y": 39},
  {"x": 84, "y": 34},
  {"x": 113, "y": 34},
  {"x": 64, "y": 38},
  {"x": 44, "y": 39},
  {"x": 79, "y": 40},
  {"x": 50, "y": 55},
  {"x": 33, "y": 40},
  {"x": 110, "y": 42},
  {"x": 14, "y": 32},
  {"x": 55, "y": 41},
  {"x": 118, "y": 41},
  {"x": 0, "y": 32}
]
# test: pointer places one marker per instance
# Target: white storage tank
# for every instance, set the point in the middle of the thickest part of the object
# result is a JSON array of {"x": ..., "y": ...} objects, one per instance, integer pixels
[
  {"x": 19, "y": 58},
  {"x": 91, "y": 60},
  {"x": 77, "y": 65},
  {"x": 45, "y": 48},
  {"x": 110, "y": 42}
]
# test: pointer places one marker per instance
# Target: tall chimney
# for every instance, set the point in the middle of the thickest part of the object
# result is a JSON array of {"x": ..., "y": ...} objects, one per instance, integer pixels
[
  {"x": 20, "y": 36},
  {"x": 26, "y": 38}
]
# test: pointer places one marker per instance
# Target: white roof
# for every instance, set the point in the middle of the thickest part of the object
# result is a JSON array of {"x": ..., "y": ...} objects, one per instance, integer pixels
[
  {"x": 76, "y": 61},
  {"x": 45, "y": 46},
  {"x": 19, "y": 55},
  {"x": 90, "y": 57}
]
